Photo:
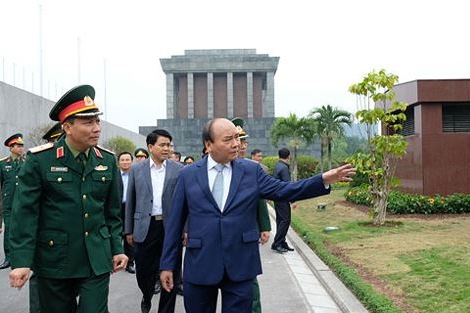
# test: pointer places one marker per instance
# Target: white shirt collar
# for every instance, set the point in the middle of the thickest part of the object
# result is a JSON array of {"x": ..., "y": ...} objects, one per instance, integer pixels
[
  {"x": 211, "y": 163},
  {"x": 152, "y": 163}
]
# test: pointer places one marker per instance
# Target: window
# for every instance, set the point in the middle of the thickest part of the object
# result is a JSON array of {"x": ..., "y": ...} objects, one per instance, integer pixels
[{"x": 456, "y": 117}]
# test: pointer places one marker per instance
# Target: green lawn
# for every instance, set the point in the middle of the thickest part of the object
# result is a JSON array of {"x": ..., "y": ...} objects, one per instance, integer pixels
[{"x": 421, "y": 263}]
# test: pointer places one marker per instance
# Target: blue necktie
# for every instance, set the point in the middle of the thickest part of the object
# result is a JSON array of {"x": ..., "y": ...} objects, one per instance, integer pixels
[{"x": 218, "y": 188}]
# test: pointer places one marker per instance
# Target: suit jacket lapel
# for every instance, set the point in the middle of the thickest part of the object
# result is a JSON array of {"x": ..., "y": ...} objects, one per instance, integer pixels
[
  {"x": 146, "y": 175},
  {"x": 203, "y": 180},
  {"x": 168, "y": 173},
  {"x": 237, "y": 174}
]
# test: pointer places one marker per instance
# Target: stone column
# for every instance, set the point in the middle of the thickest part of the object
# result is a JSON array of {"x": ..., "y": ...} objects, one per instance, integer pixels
[
  {"x": 170, "y": 96},
  {"x": 210, "y": 95},
  {"x": 190, "y": 95},
  {"x": 229, "y": 95},
  {"x": 268, "y": 106},
  {"x": 249, "y": 94}
]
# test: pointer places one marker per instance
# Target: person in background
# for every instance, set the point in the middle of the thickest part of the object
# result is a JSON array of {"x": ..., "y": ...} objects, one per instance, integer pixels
[
  {"x": 217, "y": 198},
  {"x": 283, "y": 206},
  {"x": 176, "y": 156},
  {"x": 257, "y": 156},
  {"x": 125, "y": 161},
  {"x": 140, "y": 154},
  {"x": 149, "y": 194},
  {"x": 10, "y": 166},
  {"x": 188, "y": 160},
  {"x": 65, "y": 220},
  {"x": 54, "y": 133}
]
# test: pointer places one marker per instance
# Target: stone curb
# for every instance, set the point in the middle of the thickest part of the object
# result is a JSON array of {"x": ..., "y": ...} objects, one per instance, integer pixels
[{"x": 343, "y": 297}]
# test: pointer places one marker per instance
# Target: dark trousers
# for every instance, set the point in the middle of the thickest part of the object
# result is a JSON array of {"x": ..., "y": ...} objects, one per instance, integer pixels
[
  {"x": 33, "y": 294},
  {"x": 60, "y": 295},
  {"x": 283, "y": 219},
  {"x": 147, "y": 256},
  {"x": 237, "y": 297}
]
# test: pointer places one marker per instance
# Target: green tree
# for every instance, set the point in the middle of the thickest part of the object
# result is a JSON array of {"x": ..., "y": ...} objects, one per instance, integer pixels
[
  {"x": 119, "y": 144},
  {"x": 298, "y": 131},
  {"x": 330, "y": 123},
  {"x": 384, "y": 150}
]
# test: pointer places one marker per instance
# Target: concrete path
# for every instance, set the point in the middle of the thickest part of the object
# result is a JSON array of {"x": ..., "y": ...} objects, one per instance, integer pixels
[{"x": 295, "y": 282}]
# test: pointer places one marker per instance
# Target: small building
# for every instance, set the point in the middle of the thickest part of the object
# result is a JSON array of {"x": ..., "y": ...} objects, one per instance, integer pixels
[{"x": 438, "y": 133}]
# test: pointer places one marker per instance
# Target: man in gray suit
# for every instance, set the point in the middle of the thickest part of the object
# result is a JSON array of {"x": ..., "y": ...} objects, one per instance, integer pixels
[{"x": 149, "y": 194}]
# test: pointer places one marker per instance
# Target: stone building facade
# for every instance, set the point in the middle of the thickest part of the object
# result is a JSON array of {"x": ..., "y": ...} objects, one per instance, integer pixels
[{"x": 203, "y": 84}]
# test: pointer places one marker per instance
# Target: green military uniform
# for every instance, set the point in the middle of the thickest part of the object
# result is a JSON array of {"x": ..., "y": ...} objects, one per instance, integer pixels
[
  {"x": 264, "y": 222},
  {"x": 65, "y": 220},
  {"x": 9, "y": 169},
  {"x": 66, "y": 224}
]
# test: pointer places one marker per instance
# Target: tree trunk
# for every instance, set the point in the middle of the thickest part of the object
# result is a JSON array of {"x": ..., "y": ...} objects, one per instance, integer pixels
[{"x": 380, "y": 209}]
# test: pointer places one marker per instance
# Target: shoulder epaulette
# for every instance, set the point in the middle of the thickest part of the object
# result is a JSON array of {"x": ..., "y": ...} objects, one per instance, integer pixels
[
  {"x": 104, "y": 149},
  {"x": 40, "y": 148},
  {"x": 3, "y": 159}
]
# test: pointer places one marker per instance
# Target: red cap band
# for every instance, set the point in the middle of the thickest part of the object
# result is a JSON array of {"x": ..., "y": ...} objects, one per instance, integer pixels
[{"x": 77, "y": 107}]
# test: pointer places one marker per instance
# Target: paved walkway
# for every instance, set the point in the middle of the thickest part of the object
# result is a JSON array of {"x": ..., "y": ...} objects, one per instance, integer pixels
[{"x": 295, "y": 282}]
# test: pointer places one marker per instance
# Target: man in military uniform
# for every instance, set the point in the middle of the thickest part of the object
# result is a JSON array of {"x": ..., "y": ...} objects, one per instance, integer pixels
[
  {"x": 140, "y": 154},
  {"x": 264, "y": 223},
  {"x": 65, "y": 221},
  {"x": 54, "y": 133},
  {"x": 9, "y": 169}
]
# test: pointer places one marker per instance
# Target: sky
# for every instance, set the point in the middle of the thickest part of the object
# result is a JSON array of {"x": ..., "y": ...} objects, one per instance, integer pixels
[{"x": 324, "y": 47}]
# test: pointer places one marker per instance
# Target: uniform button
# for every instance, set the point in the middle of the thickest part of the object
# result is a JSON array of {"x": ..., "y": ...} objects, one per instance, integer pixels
[
  {"x": 84, "y": 197},
  {"x": 51, "y": 243},
  {"x": 59, "y": 179},
  {"x": 83, "y": 178},
  {"x": 16, "y": 184},
  {"x": 86, "y": 234},
  {"x": 86, "y": 215},
  {"x": 103, "y": 179}
]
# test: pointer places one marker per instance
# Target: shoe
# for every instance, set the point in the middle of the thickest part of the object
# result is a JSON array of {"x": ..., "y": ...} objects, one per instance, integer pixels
[
  {"x": 145, "y": 306},
  {"x": 158, "y": 288},
  {"x": 286, "y": 246},
  {"x": 130, "y": 269},
  {"x": 5, "y": 264},
  {"x": 279, "y": 249},
  {"x": 179, "y": 289}
]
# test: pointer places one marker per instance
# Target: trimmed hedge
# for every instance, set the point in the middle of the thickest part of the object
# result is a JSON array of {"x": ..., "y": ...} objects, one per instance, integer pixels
[{"x": 404, "y": 203}]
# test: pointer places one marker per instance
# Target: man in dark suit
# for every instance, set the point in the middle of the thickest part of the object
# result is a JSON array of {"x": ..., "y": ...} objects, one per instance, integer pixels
[
  {"x": 222, "y": 245},
  {"x": 65, "y": 221},
  {"x": 149, "y": 194},
  {"x": 125, "y": 161},
  {"x": 282, "y": 207}
]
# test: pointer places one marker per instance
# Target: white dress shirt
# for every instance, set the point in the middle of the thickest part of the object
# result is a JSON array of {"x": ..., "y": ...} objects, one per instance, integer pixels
[
  {"x": 158, "y": 179},
  {"x": 125, "y": 180},
  {"x": 226, "y": 172}
]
